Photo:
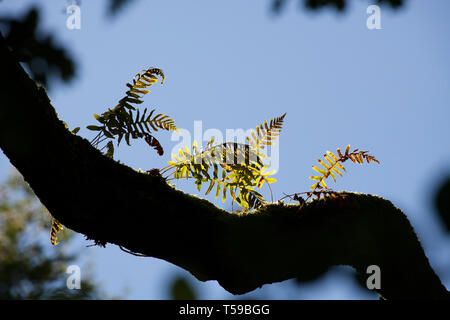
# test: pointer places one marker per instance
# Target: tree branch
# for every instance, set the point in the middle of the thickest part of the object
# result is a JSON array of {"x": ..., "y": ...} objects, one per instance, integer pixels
[{"x": 112, "y": 203}]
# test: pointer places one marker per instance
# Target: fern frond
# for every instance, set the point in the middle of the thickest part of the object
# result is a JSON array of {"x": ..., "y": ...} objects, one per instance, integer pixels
[
  {"x": 230, "y": 168},
  {"x": 139, "y": 85},
  {"x": 56, "y": 227},
  {"x": 249, "y": 198},
  {"x": 333, "y": 165},
  {"x": 124, "y": 121},
  {"x": 128, "y": 125},
  {"x": 330, "y": 167},
  {"x": 137, "y": 90},
  {"x": 231, "y": 153},
  {"x": 109, "y": 150},
  {"x": 266, "y": 133},
  {"x": 159, "y": 121},
  {"x": 153, "y": 142}
]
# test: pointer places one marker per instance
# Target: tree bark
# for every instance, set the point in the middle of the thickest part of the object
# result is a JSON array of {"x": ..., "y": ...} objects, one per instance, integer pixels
[{"x": 112, "y": 203}]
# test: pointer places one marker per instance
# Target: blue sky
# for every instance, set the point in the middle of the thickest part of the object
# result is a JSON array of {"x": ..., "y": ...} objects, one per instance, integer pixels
[{"x": 231, "y": 64}]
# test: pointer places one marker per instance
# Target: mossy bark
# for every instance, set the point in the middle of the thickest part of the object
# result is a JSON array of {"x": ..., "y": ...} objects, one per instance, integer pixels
[{"x": 112, "y": 203}]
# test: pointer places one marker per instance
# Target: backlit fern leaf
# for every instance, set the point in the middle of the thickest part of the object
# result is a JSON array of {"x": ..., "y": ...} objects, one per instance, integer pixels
[
  {"x": 56, "y": 227},
  {"x": 139, "y": 126},
  {"x": 230, "y": 168},
  {"x": 266, "y": 133},
  {"x": 333, "y": 165},
  {"x": 154, "y": 143},
  {"x": 110, "y": 149},
  {"x": 141, "y": 82}
]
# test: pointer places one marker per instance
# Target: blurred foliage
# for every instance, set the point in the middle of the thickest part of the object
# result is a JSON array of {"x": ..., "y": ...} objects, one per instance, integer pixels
[
  {"x": 30, "y": 268},
  {"x": 338, "y": 5},
  {"x": 46, "y": 60},
  {"x": 442, "y": 203},
  {"x": 180, "y": 289},
  {"x": 277, "y": 6},
  {"x": 115, "y": 6},
  {"x": 39, "y": 53}
]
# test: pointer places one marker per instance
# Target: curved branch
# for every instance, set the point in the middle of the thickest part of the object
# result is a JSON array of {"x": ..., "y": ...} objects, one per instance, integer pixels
[{"x": 112, "y": 203}]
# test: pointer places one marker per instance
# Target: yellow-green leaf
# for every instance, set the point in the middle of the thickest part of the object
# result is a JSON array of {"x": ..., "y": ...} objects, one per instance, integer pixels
[
  {"x": 224, "y": 192},
  {"x": 94, "y": 128},
  {"x": 219, "y": 183},
  {"x": 337, "y": 171},
  {"x": 314, "y": 186},
  {"x": 323, "y": 172},
  {"x": 75, "y": 131},
  {"x": 324, "y": 164},
  {"x": 211, "y": 185}
]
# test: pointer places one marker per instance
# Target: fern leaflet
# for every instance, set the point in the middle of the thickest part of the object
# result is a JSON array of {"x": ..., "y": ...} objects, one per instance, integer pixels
[
  {"x": 56, "y": 227},
  {"x": 265, "y": 133}
]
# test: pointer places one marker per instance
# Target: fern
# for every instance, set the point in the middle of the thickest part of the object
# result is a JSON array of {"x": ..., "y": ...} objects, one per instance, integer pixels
[
  {"x": 334, "y": 165},
  {"x": 236, "y": 169},
  {"x": 331, "y": 167},
  {"x": 231, "y": 168},
  {"x": 125, "y": 124},
  {"x": 153, "y": 142},
  {"x": 265, "y": 134},
  {"x": 124, "y": 121},
  {"x": 110, "y": 149},
  {"x": 208, "y": 167}
]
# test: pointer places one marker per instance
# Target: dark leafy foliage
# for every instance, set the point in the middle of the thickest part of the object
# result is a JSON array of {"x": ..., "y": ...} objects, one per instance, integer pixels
[
  {"x": 126, "y": 121},
  {"x": 37, "y": 50}
]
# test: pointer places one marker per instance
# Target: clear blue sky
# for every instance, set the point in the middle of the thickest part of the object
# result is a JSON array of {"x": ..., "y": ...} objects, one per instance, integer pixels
[{"x": 232, "y": 64}]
